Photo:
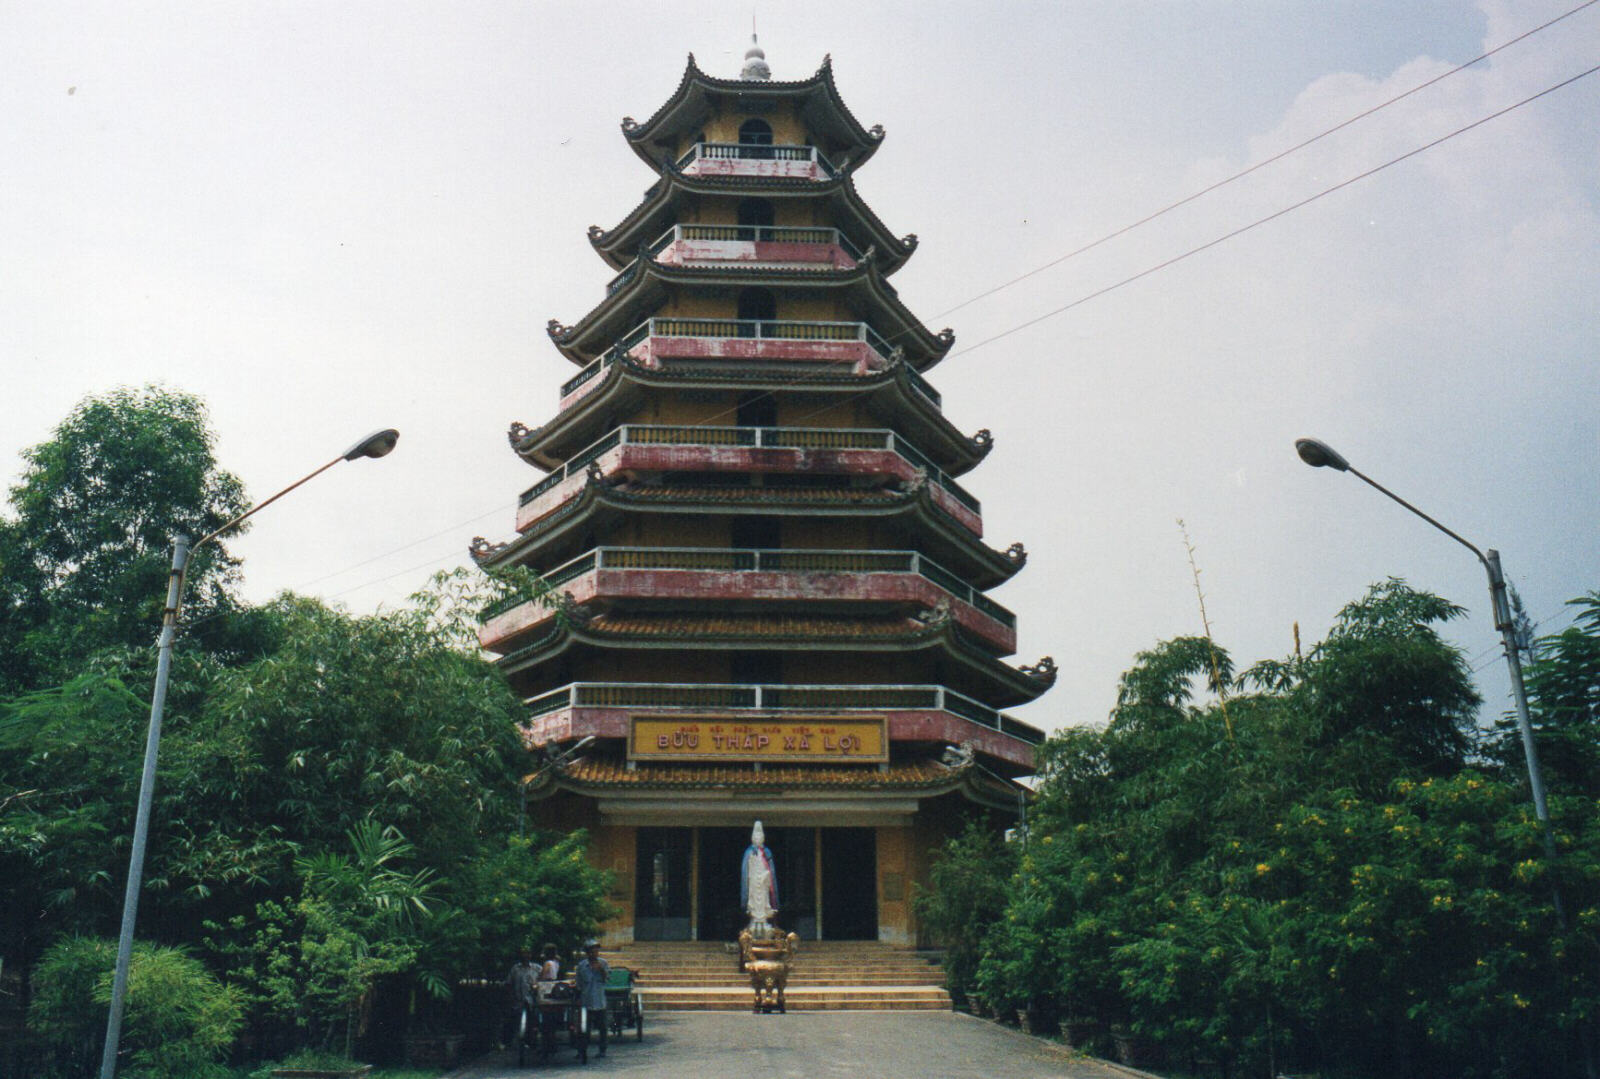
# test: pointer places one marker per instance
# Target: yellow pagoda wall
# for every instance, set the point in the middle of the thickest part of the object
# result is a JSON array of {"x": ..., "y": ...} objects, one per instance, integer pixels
[{"x": 896, "y": 856}]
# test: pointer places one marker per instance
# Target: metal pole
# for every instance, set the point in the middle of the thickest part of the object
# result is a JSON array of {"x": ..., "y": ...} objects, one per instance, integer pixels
[
  {"x": 1320, "y": 455},
  {"x": 1502, "y": 622},
  {"x": 377, "y": 444},
  {"x": 141, "y": 825}
]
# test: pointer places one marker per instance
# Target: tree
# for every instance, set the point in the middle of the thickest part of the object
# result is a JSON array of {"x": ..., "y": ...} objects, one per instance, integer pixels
[
  {"x": 971, "y": 880},
  {"x": 84, "y": 563},
  {"x": 1564, "y": 697},
  {"x": 179, "y": 1021},
  {"x": 1321, "y": 884},
  {"x": 66, "y": 788}
]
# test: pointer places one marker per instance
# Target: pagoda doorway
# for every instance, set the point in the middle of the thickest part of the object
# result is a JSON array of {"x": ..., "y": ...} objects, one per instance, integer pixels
[
  {"x": 794, "y": 852},
  {"x": 849, "y": 883},
  {"x": 661, "y": 872}
]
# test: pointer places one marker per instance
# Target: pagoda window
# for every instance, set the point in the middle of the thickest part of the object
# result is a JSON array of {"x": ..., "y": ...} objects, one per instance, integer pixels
[
  {"x": 758, "y": 409},
  {"x": 756, "y": 668},
  {"x": 756, "y": 533},
  {"x": 754, "y": 215},
  {"x": 755, "y": 305},
  {"x": 755, "y": 133}
]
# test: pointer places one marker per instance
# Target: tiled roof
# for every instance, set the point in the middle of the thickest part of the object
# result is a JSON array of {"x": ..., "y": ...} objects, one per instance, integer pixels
[
  {"x": 692, "y": 73},
  {"x": 903, "y": 776},
  {"x": 871, "y": 496},
  {"x": 674, "y": 181},
  {"x": 801, "y": 627}
]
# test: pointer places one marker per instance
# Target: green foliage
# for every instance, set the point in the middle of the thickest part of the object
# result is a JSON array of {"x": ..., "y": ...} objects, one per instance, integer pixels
[
  {"x": 312, "y": 964},
  {"x": 967, "y": 898},
  {"x": 178, "y": 1023},
  {"x": 69, "y": 760},
  {"x": 83, "y": 566},
  {"x": 1328, "y": 888},
  {"x": 525, "y": 892},
  {"x": 1563, "y": 682}
]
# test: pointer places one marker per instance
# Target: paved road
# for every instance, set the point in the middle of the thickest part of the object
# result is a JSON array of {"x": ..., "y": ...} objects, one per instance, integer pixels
[{"x": 816, "y": 1045}]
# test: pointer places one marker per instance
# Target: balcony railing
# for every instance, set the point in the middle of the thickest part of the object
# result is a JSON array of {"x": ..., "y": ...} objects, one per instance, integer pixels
[
  {"x": 761, "y": 234},
  {"x": 742, "y": 151},
  {"x": 747, "y": 329},
  {"x": 795, "y": 438},
  {"x": 779, "y": 698},
  {"x": 775, "y": 560}
]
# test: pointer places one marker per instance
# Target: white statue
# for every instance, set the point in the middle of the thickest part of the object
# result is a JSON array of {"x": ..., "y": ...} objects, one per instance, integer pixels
[{"x": 758, "y": 880}]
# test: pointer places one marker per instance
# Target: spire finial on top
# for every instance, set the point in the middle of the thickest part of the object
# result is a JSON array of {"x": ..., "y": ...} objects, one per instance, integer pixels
[{"x": 755, "y": 61}]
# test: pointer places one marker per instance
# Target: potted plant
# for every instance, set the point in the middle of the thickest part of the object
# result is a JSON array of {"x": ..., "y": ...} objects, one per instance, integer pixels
[
  {"x": 434, "y": 1048},
  {"x": 1133, "y": 1049},
  {"x": 1076, "y": 1030}
]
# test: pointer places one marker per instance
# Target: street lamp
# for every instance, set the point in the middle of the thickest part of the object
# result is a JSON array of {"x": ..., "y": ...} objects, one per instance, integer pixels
[
  {"x": 1321, "y": 455},
  {"x": 377, "y": 444}
]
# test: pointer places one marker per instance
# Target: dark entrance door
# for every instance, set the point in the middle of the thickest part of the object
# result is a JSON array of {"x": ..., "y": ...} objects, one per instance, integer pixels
[
  {"x": 849, "y": 884},
  {"x": 722, "y": 850},
  {"x": 661, "y": 883}
]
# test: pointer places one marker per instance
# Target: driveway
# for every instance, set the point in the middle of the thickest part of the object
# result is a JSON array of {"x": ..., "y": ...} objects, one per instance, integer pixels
[{"x": 812, "y": 1045}]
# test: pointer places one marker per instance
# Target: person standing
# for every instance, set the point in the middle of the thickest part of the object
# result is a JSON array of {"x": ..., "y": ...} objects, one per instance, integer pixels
[
  {"x": 522, "y": 989},
  {"x": 549, "y": 1017},
  {"x": 593, "y": 973}
]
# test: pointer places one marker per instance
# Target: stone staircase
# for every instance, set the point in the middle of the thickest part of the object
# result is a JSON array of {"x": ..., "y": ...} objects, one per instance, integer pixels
[{"x": 826, "y": 976}]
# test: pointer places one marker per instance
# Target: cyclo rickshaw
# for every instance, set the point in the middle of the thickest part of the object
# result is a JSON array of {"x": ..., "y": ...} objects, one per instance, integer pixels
[{"x": 541, "y": 1024}]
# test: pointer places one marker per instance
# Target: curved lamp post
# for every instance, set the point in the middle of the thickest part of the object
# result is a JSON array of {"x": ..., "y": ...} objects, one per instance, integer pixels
[
  {"x": 1321, "y": 455},
  {"x": 376, "y": 444}
]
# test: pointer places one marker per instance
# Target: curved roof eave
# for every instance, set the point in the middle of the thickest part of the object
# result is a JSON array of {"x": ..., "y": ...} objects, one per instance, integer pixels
[
  {"x": 618, "y": 244},
  {"x": 995, "y": 567},
  {"x": 837, "y": 121},
  {"x": 967, "y": 451},
  {"x": 585, "y": 339},
  {"x": 1013, "y": 685}
]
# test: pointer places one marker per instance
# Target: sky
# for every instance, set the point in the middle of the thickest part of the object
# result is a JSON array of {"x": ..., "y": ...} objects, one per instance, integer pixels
[{"x": 326, "y": 219}]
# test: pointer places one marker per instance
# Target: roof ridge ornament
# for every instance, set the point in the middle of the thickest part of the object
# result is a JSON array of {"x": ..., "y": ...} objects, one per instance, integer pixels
[{"x": 755, "y": 63}]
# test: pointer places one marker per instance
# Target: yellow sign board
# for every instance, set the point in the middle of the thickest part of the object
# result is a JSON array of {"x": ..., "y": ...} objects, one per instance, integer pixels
[{"x": 811, "y": 739}]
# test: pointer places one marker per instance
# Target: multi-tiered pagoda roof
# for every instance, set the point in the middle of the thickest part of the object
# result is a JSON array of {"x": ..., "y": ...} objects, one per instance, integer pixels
[{"x": 749, "y": 519}]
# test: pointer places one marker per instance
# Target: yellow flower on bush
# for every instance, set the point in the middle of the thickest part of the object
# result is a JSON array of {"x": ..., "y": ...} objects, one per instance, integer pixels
[{"x": 1262, "y": 868}]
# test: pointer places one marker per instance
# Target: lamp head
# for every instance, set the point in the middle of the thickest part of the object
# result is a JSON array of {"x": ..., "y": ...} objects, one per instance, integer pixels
[
  {"x": 1320, "y": 454},
  {"x": 377, "y": 444}
]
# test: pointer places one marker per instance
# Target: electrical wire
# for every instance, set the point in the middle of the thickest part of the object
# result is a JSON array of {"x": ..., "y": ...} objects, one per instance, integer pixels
[
  {"x": 1174, "y": 260},
  {"x": 1097, "y": 293},
  {"x": 1279, "y": 156}
]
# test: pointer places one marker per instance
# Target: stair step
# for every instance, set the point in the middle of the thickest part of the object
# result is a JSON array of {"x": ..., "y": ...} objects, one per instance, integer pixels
[
  {"x": 827, "y": 976},
  {"x": 838, "y": 998}
]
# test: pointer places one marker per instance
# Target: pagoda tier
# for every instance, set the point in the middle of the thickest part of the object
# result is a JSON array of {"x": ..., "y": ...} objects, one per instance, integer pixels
[
  {"x": 879, "y": 650},
  {"x": 688, "y": 793},
  {"x": 761, "y": 591},
  {"x": 700, "y": 201},
  {"x": 807, "y": 111},
  {"x": 683, "y": 391},
  {"x": 753, "y": 578},
  {"x": 873, "y": 518},
  {"x": 850, "y": 313},
  {"x": 918, "y": 717}
]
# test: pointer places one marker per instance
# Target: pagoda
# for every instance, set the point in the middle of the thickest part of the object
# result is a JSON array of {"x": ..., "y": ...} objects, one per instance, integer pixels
[{"x": 770, "y": 586}]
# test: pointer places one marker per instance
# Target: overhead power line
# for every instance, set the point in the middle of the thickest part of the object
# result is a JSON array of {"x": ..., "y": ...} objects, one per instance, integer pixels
[
  {"x": 1225, "y": 237},
  {"x": 1097, "y": 293},
  {"x": 1279, "y": 156}
]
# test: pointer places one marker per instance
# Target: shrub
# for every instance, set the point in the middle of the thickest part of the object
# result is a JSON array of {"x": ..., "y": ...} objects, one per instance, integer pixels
[{"x": 179, "y": 1019}]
